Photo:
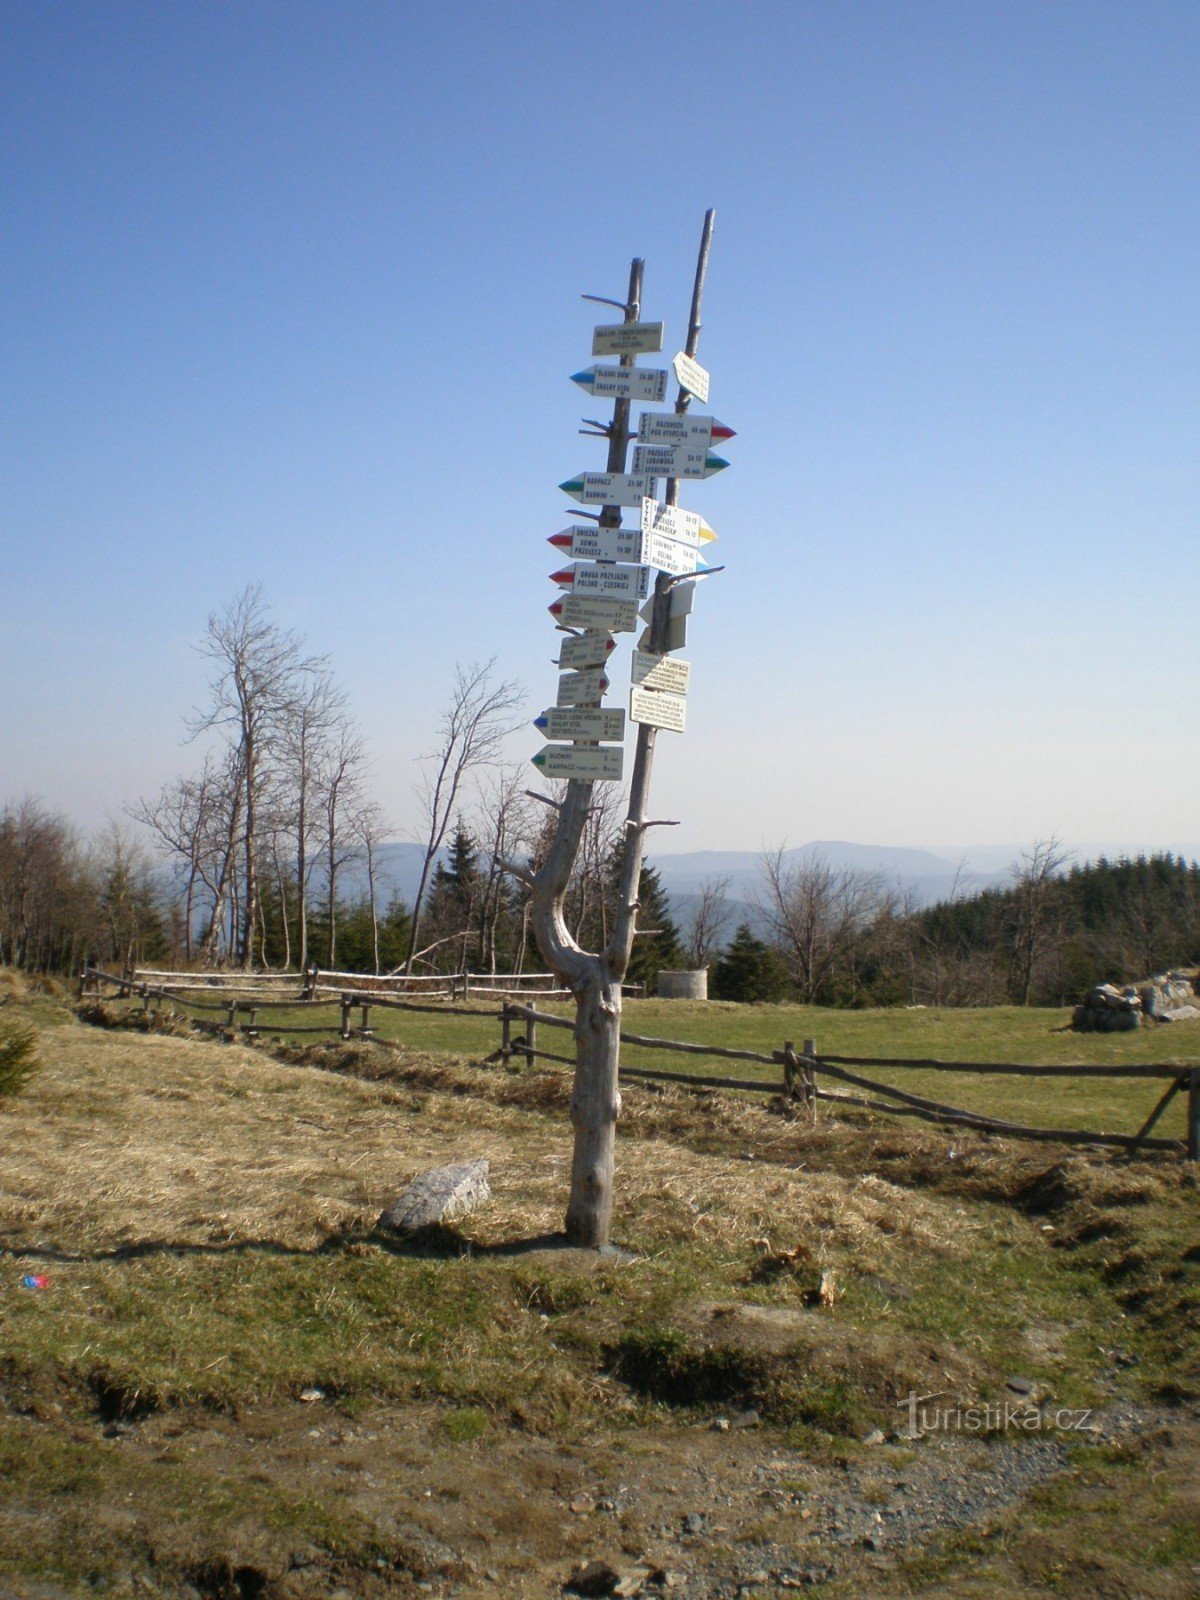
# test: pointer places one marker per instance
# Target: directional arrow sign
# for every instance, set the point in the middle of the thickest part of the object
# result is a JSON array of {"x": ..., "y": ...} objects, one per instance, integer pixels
[
  {"x": 578, "y": 688},
  {"x": 595, "y": 764},
  {"x": 661, "y": 672},
  {"x": 669, "y": 555},
  {"x": 613, "y": 581},
  {"x": 593, "y": 611},
  {"x": 590, "y": 650},
  {"x": 609, "y": 488},
  {"x": 578, "y": 722},
  {"x": 691, "y": 376},
  {"x": 677, "y": 461},
  {"x": 689, "y": 527},
  {"x": 599, "y": 544},
  {"x": 627, "y": 544},
  {"x": 658, "y": 709},
  {"x": 681, "y": 427},
  {"x": 627, "y": 338},
  {"x": 624, "y": 383}
]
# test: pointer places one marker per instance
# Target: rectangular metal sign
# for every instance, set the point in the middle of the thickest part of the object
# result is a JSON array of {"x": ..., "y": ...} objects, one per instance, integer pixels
[
  {"x": 593, "y": 611},
  {"x": 658, "y": 709},
  {"x": 589, "y": 650},
  {"x": 610, "y": 488},
  {"x": 691, "y": 376},
  {"x": 661, "y": 672},
  {"x": 627, "y": 338},
  {"x": 614, "y": 581},
  {"x": 592, "y": 763},
  {"x": 579, "y": 722},
  {"x": 578, "y": 688},
  {"x": 647, "y": 384}
]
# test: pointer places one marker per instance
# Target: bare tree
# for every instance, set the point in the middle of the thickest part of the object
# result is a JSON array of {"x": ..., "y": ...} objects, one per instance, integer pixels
[
  {"x": 311, "y": 718},
  {"x": 815, "y": 913},
  {"x": 707, "y": 921},
  {"x": 1035, "y": 931},
  {"x": 502, "y": 822},
  {"x": 479, "y": 717},
  {"x": 341, "y": 802},
  {"x": 259, "y": 666}
]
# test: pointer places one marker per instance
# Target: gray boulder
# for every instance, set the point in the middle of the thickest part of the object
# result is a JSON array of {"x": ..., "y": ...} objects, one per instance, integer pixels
[{"x": 438, "y": 1196}]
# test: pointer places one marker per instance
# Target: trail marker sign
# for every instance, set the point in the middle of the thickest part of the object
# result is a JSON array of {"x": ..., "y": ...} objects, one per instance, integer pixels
[
  {"x": 592, "y": 763},
  {"x": 609, "y": 488},
  {"x": 647, "y": 384},
  {"x": 691, "y": 376},
  {"x": 594, "y": 611},
  {"x": 661, "y": 672},
  {"x": 579, "y": 688},
  {"x": 627, "y": 338},
  {"x": 657, "y": 708},
  {"x": 582, "y": 722}
]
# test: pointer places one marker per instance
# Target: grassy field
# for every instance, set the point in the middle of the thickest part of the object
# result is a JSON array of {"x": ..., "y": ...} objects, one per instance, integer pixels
[
  {"x": 1000, "y": 1033},
  {"x": 228, "y": 1370}
]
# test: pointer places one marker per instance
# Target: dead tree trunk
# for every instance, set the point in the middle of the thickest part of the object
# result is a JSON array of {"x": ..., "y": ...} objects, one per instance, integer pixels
[{"x": 595, "y": 979}]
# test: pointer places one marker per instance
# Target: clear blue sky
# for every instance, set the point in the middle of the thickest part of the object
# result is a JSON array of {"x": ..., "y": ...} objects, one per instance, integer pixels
[{"x": 291, "y": 295}]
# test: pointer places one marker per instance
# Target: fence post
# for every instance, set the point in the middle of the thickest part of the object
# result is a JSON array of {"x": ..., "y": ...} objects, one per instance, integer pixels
[
  {"x": 1193, "y": 1115},
  {"x": 530, "y": 1040},
  {"x": 506, "y": 1033},
  {"x": 252, "y": 1030},
  {"x": 346, "y": 1004},
  {"x": 233, "y": 1011},
  {"x": 810, "y": 1075},
  {"x": 310, "y": 984},
  {"x": 365, "y": 1030}
]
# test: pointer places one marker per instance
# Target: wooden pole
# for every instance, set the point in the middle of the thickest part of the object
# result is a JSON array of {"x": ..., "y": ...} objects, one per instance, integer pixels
[
  {"x": 1193, "y": 1117},
  {"x": 810, "y": 1076},
  {"x": 506, "y": 1033},
  {"x": 530, "y": 1041}
]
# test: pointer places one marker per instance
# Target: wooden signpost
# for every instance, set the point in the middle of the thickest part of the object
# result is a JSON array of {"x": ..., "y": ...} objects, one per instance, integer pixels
[{"x": 613, "y": 567}]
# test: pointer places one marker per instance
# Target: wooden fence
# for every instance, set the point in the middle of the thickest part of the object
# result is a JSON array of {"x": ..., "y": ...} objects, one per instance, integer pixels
[
  {"x": 797, "y": 1079},
  {"x": 800, "y": 1070}
]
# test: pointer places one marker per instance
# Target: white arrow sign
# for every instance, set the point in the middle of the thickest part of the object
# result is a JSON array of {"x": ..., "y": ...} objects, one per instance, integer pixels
[
  {"x": 689, "y": 527},
  {"x": 592, "y": 763},
  {"x": 580, "y": 688},
  {"x": 627, "y": 338},
  {"x": 615, "y": 582},
  {"x": 589, "y": 650},
  {"x": 691, "y": 376},
  {"x": 680, "y": 427},
  {"x": 609, "y": 488},
  {"x": 599, "y": 544},
  {"x": 628, "y": 544},
  {"x": 593, "y": 611},
  {"x": 578, "y": 722},
  {"x": 624, "y": 383},
  {"x": 676, "y": 461},
  {"x": 669, "y": 555},
  {"x": 661, "y": 672},
  {"x": 658, "y": 709}
]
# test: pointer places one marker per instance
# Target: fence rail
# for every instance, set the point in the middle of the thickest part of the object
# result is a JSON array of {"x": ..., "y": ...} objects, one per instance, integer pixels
[
  {"x": 797, "y": 1079},
  {"x": 320, "y": 980},
  {"x": 800, "y": 1069}
]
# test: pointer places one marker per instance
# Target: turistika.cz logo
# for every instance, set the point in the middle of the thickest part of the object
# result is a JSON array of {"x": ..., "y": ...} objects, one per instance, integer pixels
[{"x": 930, "y": 1413}]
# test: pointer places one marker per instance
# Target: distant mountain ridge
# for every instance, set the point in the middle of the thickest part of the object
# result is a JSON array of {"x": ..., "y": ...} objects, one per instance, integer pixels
[{"x": 925, "y": 876}]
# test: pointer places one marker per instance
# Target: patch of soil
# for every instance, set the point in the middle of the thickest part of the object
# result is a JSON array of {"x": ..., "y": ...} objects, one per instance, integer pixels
[{"x": 381, "y": 1504}]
